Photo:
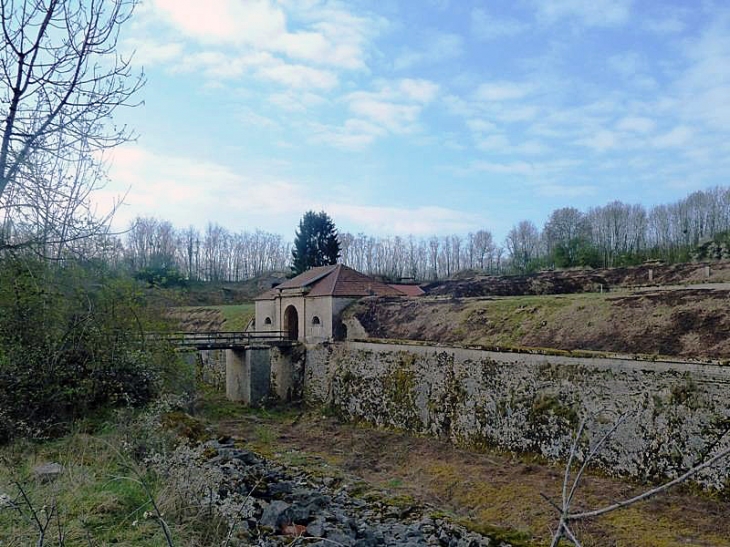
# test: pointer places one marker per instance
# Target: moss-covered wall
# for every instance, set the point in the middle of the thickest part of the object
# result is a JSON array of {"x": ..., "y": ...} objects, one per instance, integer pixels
[{"x": 533, "y": 403}]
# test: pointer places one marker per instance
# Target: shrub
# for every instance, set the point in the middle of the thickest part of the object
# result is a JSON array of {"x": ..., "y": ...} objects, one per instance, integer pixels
[{"x": 73, "y": 341}]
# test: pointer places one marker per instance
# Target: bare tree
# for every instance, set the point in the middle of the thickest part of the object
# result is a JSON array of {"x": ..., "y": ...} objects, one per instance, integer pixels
[
  {"x": 61, "y": 79},
  {"x": 571, "y": 483},
  {"x": 523, "y": 244}
]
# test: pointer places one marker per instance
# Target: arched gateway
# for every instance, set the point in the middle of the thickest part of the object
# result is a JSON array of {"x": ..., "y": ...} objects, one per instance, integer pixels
[
  {"x": 291, "y": 323},
  {"x": 308, "y": 307}
]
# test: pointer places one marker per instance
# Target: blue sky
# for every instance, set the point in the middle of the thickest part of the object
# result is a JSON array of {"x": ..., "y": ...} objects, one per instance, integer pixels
[{"x": 420, "y": 116}]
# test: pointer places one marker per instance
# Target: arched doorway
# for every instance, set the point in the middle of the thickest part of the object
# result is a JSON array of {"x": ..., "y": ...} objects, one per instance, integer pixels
[{"x": 291, "y": 323}]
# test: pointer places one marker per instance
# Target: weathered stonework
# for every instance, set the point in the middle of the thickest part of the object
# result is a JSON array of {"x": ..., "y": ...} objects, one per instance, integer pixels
[{"x": 678, "y": 412}]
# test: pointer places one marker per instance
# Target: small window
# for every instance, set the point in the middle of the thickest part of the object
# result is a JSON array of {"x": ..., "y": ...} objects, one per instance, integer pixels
[
  {"x": 267, "y": 321},
  {"x": 315, "y": 320}
]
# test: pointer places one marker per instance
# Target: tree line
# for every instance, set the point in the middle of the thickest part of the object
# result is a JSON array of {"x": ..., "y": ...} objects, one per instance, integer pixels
[
  {"x": 616, "y": 234},
  {"x": 696, "y": 227}
]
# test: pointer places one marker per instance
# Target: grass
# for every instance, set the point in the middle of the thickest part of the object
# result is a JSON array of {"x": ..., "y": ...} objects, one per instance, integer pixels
[
  {"x": 236, "y": 317},
  {"x": 104, "y": 495},
  {"x": 513, "y": 321},
  {"x": 96, "y": 496},
  {"x": 232, "y": 317}
]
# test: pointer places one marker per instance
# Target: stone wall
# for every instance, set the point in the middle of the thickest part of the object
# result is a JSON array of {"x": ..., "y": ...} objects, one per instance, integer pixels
[
  {"x": 211, "y": 367},
  {"x": 678, "y": 412}
]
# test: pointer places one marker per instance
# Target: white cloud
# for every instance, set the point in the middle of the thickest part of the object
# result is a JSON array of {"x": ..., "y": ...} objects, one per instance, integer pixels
[
  {"x": 669, "y": 25},
  {"x": 186, "y": 190},
  {"x": 511, "y": 168},
  {"x": 148, "y": 52},
  {"x": 296, "y": 101},
  {"x": 332, "y": 37},
  {"x": 626, "y": 64},
  {"x": 298, "y": 76},
  {"x": 704, "y": 88},
  {"x": 597, "y": 13},
  {"x": 251, "y": 118},
  {"x": 481, "y": 126},
  {"x": 421, "y": 91},
  {"x": 677, "y": 137},
  {"x": 485, "y": 27},
  {"x": 354, "y": 134},
  {"x": 417, "y": 221},
  {"x": 437, "y": 47},
  {"x": 669, "y": 20},
  {"x": 395, "y": 106},
  {"x": 566, "y": 190},
  {"x": 636, "y": 124},
  {"x": 224, "y": 21},
  {"x": 503, "y": 91},
  {"x": 264, "y": 66},
  {"x": 536, "y": 173},
  {"x": 601, "y": 141}
]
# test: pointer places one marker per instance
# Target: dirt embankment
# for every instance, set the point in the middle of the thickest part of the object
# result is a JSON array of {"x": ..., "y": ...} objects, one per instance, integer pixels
[
  {"x": 197, "y": 319},
  {"x": 224, "y": 293},
  {"x": 579, "y": 281},
  {"x": 688, "y": 322}
]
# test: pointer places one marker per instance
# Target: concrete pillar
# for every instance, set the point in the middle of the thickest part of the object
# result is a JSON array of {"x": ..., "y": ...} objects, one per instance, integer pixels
[
  {"x": 651, "y": 275},
  {"x": 707, "y": 271},
  {"x": 248, "y": 375},
  {"x": 258, "y": 363},
  {"x": 237, "y": 377},
  {"x": 282, "y": 373}
]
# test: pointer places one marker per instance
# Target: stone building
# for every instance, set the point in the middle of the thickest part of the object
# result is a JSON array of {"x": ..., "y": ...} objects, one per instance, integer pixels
[{"x": 308, "y": 306}]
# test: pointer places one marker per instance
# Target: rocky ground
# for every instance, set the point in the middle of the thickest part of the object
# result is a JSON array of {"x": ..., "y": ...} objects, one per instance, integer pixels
[
  {"x": 393, "y": 482},
  {"x": 271, "y": 505}
]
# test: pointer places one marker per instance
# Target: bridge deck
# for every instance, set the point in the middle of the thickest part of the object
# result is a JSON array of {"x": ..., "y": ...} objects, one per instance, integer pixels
[{"x": 225, "y": 339}]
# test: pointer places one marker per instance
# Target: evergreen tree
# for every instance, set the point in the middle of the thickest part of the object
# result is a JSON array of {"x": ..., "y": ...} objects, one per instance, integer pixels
[{"x": 316, "y": 242}]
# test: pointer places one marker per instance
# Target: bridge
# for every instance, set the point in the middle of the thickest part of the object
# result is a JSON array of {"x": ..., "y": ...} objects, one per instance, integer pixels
[{"x": 224, "y": 339}]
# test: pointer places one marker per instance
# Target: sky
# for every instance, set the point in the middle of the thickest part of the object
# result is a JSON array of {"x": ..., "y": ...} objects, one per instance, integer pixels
[{"x": 421, "y": 117}]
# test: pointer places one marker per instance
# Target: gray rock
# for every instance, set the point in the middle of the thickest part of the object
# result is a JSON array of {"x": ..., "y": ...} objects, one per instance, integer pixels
[
  {"x": 316, "y": 527},
  {"x": 47, "y": 472},
  {"x": 276, "y": 514},
  {"x": 284, "y": 487},
  {"x": 340, "y": 537}
]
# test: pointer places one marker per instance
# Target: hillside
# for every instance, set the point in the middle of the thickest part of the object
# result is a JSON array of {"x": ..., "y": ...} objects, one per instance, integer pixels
[
  {"x": 693, "y": 321},
  {"x": 471, "y": 284},
  {"x": 199, "y": 293}
]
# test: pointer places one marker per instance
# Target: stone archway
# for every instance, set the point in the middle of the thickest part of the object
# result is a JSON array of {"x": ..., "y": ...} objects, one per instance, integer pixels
[{"x": 291, "y": 323}]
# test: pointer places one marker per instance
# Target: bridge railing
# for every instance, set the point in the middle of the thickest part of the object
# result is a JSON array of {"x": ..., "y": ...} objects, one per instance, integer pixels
[{"x": 220, "y": 339}]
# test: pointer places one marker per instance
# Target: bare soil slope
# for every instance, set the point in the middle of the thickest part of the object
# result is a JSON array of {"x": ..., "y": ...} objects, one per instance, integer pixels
[
  {"x": 471, "y": 284},
  {"x": 691, "y": 322}
]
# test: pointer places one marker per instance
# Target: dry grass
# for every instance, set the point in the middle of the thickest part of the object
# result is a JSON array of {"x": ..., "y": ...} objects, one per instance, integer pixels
[
  {"x": 689, "y": 322},
  {"x": 491, "y": 490}
]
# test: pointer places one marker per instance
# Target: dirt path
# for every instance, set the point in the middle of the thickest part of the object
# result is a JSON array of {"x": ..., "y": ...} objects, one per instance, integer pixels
[{"x": 490, "y": 489}]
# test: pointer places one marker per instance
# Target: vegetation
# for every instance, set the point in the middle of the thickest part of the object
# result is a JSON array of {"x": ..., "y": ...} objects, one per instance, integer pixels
[
  {"x": 316, "y": 242},
  {"x": 74, "y": 340}
]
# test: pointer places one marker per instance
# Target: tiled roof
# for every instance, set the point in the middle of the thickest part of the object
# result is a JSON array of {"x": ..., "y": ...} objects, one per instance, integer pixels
[
  {"x": 409, "y": 290},
  {"x": 337, "y": 280}
]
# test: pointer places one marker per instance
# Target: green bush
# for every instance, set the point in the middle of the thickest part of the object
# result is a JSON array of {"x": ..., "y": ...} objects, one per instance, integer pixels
[{"x": 73, "y": 340}]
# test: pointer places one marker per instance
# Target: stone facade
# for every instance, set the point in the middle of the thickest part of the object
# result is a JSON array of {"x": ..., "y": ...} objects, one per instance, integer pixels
[
  {"x": 307, "y": 308},
  {"x": 316, "y": 317},
  {"x": 677, "y": 412}
]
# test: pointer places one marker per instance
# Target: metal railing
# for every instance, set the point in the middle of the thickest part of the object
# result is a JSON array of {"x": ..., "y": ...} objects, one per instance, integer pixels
[{"x": 221, "y": 339}]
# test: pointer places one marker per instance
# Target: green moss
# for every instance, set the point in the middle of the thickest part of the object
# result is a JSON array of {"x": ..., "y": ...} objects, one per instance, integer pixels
[
  {"x": 546, "y": 404},
  {"x": 515, "y": 538},
  {"x": 184, "y": 425},
  {"x": 685, "y": 393},
  {"x": 399, "y": 387}
]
